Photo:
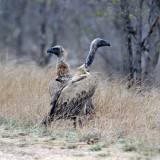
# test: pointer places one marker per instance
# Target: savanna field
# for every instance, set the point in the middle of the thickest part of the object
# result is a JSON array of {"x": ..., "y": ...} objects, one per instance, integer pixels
[
  {"x": 80, "y": 43},
  {"x": 124, "y": 119}
]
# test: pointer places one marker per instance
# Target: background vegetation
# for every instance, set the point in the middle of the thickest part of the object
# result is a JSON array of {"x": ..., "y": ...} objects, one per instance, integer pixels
[{"x": 28, "y": 28}]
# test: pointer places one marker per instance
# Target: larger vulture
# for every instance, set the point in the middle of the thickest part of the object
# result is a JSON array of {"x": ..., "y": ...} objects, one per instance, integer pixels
[{"x": 76, "y": 92}]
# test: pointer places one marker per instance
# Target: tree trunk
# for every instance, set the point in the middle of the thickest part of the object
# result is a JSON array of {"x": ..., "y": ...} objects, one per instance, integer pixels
[
  {"x": 19, "y": 36},
  {"x": 137, "y": 65},
  {"x": 128, "y": 55},
  {"x": 44, "y": 58},
  {"x": 153, "y": 39}
]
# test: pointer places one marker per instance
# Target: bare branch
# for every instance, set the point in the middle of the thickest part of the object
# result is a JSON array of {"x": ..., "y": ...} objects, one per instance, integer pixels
[
  {"x": 149, "y": 33},
  {"x": 155, "y": 59}
]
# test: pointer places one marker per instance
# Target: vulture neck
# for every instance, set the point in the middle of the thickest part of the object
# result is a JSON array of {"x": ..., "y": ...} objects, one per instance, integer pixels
[
  {"x": 91, "y": 56},
  {"x": 61, "y": 60},
  {"x": 61, "y": 63},
  {"x": 63, "y": 69}
]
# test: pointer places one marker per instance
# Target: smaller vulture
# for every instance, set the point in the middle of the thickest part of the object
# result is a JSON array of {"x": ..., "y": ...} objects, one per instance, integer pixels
[
  {"x": 74, "y": 95},
  {"x": 63, "y": 70}
]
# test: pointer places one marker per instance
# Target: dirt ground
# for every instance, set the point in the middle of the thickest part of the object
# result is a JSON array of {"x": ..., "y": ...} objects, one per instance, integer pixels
[{"x": 26, "y": 147}]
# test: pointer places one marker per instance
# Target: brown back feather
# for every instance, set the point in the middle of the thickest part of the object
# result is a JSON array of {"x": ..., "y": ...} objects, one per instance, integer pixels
[{"x": 73, "y": 96}]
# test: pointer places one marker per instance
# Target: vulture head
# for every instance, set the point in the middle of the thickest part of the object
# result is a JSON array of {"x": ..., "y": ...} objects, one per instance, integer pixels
[
  {"x": 57, "y": 50},
  {"x": 98, "y": 42}
]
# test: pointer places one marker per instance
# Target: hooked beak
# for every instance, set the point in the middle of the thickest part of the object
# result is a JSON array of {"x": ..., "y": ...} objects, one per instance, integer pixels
[
  {"x": 100, "y": 42},
  {"x": 104, "y": 43},
  {"x": 53, "y": 50}
]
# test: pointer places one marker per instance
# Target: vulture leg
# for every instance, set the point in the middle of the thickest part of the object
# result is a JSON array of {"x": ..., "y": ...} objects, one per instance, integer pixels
[
  {"x": 75, "y": 121},
  {"x": 89, "y": 107},
  {"x": 47, "y": 121},
  {"x": 76, "y": 111}
]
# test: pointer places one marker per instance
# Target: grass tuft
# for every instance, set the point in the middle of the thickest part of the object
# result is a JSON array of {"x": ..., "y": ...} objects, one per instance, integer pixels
[
  {"x": 104, "y": 154},
  {"x": 72, "y": 146},
  {"x": 79, "y": 155},
  {"x": 129, "y": 148},
  {"x": 95, "y": 148}
]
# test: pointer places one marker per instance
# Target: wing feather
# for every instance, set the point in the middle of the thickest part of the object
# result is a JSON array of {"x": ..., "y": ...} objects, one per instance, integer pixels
[
  {"x": 53, "y": 87},
  {"x": 73, "y": 96}
]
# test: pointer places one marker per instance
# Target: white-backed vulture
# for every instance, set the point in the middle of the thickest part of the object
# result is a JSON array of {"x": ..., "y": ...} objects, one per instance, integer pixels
[
  {"x": 72, "y": 97},
  {"x": 62, "y": 71}
]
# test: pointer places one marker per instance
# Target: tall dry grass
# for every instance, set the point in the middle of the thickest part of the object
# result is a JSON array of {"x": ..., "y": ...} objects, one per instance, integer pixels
[
  {"x": 24, "y": 92},
  {"x": 121, "y": 113}
]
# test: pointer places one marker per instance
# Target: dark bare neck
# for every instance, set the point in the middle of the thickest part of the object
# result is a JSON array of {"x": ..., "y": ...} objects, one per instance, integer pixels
[{"x": 90, "y": 57}]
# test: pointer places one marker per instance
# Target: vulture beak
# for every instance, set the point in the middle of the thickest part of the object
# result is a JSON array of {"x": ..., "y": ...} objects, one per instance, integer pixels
[
  {"x": 101, "y": 43},
  {"x": 54, "y": 50},
  {"x": 104, "y": 43},
  {"x": 98, "y": 42}
]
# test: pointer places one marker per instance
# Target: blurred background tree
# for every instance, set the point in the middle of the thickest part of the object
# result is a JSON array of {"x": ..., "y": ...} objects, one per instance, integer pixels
[{"x": 29, "y": 27}]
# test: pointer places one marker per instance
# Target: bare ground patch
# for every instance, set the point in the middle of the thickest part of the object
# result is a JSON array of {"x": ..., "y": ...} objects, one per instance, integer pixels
[{"x": 21, "y": 145}]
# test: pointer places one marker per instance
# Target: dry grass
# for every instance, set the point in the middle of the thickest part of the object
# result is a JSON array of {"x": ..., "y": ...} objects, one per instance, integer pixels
[
  {"x": 24, "y": 92},
  {"x": 121, "y": 113}
]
